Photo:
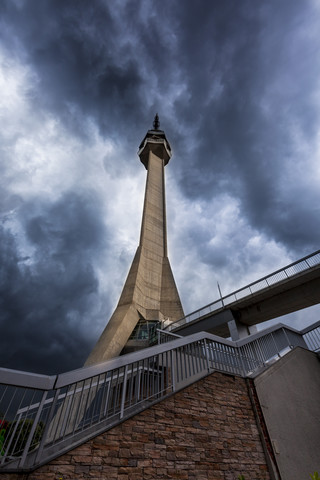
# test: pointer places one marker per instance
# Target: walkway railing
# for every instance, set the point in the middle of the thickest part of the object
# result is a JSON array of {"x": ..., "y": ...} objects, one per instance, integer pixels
[
  {"x": 302, "y": 265},
  {"x": 311, "y": 336},
  {"x": 164, "y": 336},
  {"x": 43, "y": 417}
]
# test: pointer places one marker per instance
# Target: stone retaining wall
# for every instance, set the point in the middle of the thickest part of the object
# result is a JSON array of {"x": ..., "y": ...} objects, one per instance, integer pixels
[{"x": 207, "y": 431}]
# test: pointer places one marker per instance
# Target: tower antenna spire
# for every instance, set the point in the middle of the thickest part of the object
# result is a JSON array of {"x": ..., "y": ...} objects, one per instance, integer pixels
[{"x": 156, "y": 122}]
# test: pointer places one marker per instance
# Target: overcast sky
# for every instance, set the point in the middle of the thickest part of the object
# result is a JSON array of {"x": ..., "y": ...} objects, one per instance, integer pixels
[{"x": 237, "y": 88}]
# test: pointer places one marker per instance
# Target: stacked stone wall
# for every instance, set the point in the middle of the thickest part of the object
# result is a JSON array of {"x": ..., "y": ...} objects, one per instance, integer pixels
[{"x": 207, "y": 431}]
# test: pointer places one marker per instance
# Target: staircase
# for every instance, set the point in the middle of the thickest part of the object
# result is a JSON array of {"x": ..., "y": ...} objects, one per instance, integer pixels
[{"x": 43, "y": 417}]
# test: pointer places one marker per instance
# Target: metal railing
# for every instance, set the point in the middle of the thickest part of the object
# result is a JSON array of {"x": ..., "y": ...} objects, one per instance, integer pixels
[
  {"x": 311, "y": 336},
  {"x": 164, "y": 336},
  {"x": 302, "y": 265},
  {"x": 43, "y": 417}
]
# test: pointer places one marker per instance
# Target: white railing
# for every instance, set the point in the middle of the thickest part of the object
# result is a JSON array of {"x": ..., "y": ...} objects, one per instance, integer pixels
[
  {"x": 302, "y": 265},
  {"x": 43, "y": 417}
]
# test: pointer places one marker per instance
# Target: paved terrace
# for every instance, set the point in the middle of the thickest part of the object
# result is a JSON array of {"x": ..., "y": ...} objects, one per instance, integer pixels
[{"x": 287, "y": 290}]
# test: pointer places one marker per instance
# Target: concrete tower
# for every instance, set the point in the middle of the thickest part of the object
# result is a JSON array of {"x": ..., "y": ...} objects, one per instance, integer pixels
[{"x": 150, "y": 294}]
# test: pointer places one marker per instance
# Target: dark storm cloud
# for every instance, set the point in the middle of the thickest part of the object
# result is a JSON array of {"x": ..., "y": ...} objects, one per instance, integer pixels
[
  {"x": 49, "y": 301},
  {"x": 236, "y": 87},
  {"x": 86, "y": 61},
  {"x": 249, "y": 96}
]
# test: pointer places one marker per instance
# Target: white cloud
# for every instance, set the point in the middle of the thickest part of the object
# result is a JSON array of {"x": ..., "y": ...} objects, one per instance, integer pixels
[{"x": 223, "y": 248}]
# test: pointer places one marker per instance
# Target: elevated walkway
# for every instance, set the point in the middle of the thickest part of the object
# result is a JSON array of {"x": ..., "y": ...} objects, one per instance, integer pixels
[
  {"x": 46, "y": 416},
  {"x": 287, "y": 290}
]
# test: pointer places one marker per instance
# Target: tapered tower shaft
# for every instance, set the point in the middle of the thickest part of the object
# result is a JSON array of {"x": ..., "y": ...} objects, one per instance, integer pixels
[{"x": 150, "y": 293}]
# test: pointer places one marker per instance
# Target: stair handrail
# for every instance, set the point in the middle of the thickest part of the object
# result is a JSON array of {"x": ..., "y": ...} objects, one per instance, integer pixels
[{"x": 188, "y": 359}]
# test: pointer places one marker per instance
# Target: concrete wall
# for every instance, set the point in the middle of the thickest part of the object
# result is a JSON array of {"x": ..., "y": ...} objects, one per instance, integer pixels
[
  {"x": 289, "y": 395},
  {"x": 207, "y": 431}
]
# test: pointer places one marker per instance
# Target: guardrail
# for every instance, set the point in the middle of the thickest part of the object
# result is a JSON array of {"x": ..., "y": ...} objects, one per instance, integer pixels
[
  {"x": 43, "y": 417},
  {"x": 311, "y": 336},
  {"x": 164, "y": 336},
  {"x": 302, "y": 265}
]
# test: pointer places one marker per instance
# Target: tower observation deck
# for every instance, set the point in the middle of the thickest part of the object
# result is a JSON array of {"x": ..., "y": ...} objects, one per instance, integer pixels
[{"x": 149, "y": 294}]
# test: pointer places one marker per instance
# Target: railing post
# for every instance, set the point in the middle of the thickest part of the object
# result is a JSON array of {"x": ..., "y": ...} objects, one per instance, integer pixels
[
  {"x": 138, "y": 383},
  {"x": 262, "y": 356},
  {"x": 12, "y": 436},
  {"x": 206, "y": 354},
  {"x": 33, "y": 429},
  {"x": 287, "y": 338},
  {"x": 244, "y": 371},
  {"x": 106, "y": 401},
  {"x": 173, "y": 370},
  {"x": 48, "y": 426},
  {"x": 274, "y": 341},
  {"x": 124, "y": 391}
]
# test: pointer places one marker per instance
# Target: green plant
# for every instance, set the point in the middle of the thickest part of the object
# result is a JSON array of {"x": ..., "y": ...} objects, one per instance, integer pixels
[
  {"x": 315, "y": 476},
  {"x": 21, "y": 434},
  {"x": 2, "y": 440},
  {"x": 241, "y": 477}
]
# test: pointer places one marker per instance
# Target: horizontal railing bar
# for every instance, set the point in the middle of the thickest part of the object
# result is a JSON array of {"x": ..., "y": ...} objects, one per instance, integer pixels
[
  {"x": 310, "y": 327},
  {"x": 171, "y": 334},
  {"x": 27, "y": 379}
]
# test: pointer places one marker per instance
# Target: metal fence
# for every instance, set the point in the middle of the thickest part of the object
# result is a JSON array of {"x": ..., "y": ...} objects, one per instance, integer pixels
[
  {"x": 285, "y": 273},
  {"x": 43, "y": 417},
  {"x": 164, "y": 336},
  {"x": 311, "y": 336}
]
